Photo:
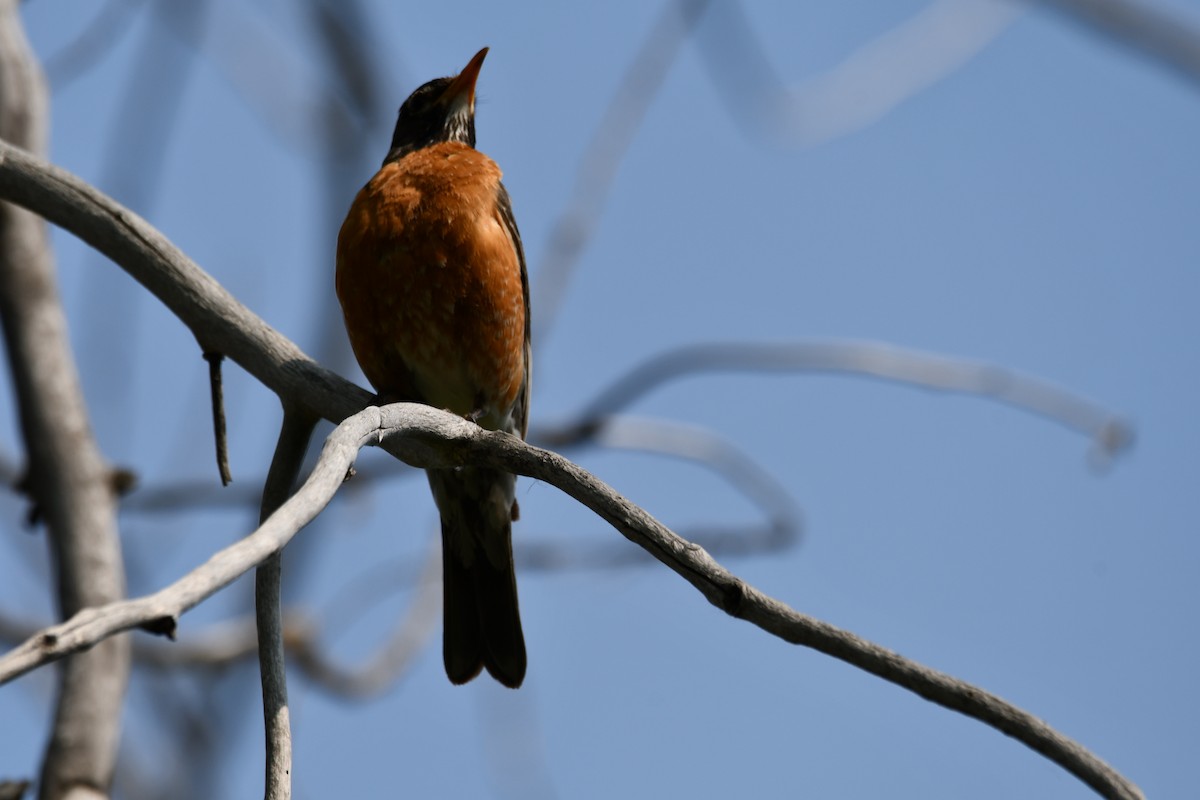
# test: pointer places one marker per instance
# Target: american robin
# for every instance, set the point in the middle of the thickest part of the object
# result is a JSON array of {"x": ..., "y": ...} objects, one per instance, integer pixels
[{"x": 431, "y": 277}]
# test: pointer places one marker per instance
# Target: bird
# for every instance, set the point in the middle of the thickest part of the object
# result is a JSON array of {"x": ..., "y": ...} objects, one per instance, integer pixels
[{"x": 434, "y": 291}]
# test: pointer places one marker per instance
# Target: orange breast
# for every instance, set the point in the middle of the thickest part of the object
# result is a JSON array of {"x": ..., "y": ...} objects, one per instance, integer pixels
[{"x": 430, "y": 284}]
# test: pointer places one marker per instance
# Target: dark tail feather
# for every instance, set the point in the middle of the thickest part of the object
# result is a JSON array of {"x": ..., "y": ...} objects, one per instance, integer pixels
[{"x": 479, "y": 585}]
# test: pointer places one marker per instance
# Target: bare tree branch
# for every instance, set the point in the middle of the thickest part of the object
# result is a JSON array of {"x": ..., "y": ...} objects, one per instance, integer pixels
[
  {"x": 217, "y": 390},
  {"x": 218, "y": 321},
  {"x": 294, "y": 435},
  {"x": 429, "y": 438},
  {"x": 307, "y": 643},
  {"x": 213, "y": 315},
  {"x": 68, "y": 477},
  {"x": 159, "y": 612},
  {"x": 426, "y": 438}
]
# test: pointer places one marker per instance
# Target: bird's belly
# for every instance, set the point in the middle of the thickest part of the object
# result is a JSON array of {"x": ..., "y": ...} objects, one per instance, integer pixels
[{"x": 434, "y": 324}]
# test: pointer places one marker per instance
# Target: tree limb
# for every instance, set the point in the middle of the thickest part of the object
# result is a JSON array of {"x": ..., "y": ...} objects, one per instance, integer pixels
[
  {"x": 428, "y": 438},
  {"x": 68, "y": 478},
  {"x": 294, "y": 435},
  {"x": 218, "y": 321}
]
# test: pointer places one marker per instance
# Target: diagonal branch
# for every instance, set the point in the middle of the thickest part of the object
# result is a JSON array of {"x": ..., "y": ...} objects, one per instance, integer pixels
[
  {"x": 428, "y": 438},
  {"x": 220, "y": 323}
]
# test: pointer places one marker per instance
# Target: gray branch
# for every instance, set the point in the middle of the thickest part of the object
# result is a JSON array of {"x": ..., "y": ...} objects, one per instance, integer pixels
[
  {"x": 67, "y": 479},
  {"x": 294, "y": 435},
  {"x": 220, "y": 323},
  {"x": 428, "y": 438}
]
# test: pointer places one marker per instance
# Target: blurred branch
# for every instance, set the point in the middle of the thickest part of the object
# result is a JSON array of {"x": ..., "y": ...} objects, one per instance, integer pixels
[
  {"x": 13, "y": 790},
  {"x": 98, "y": 39},
  {"x": 68, "y": 478},
  {"x": 225, "y": 644},
  {"x": 429, "y": 438},
  {"x": 1109, "y": 434},
  {"x": 867, "y": 85},
  {"x": 1169, "y": 38},
  {"x": 598, "y": 165},
  {"x": 283, "y": 89},
  {"x": 344, "y": 37},
  {"x": 392, "y": 658},
  {"x": 691, "y": 444}
]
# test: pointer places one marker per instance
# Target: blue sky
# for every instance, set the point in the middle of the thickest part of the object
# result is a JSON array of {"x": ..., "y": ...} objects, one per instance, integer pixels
[{"x": 1035, "y": 208}]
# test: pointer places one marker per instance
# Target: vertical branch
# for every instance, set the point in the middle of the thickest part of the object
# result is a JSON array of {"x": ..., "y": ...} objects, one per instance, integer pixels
[
  {"x": 293, "y": 441},
  {"x": 68, "y": 478},
  {"x": 217, "y": 390}
]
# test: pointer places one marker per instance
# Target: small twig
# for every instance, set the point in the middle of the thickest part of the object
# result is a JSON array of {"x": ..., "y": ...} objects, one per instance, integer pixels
[{"x": 217, "y": 387}]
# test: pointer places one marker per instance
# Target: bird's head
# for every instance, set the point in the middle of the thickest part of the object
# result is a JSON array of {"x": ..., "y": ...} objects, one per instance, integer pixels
[{"x": 442, "y": 110}]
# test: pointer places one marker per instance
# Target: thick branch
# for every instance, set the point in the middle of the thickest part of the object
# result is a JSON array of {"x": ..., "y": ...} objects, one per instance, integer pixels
[
  {"x": 68, "y": 478},
  {"x": 428, "y": 438},
  {"x": 219, "y": 322}
]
